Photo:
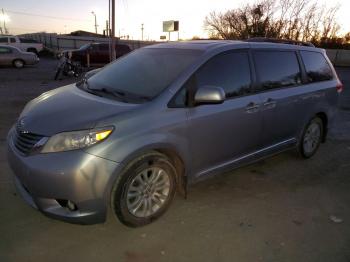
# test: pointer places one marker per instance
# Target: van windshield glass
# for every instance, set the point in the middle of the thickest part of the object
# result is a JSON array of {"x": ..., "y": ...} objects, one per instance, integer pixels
[
  {"x": 84, "y": 46},
  {"x": 145, "y": 72}
]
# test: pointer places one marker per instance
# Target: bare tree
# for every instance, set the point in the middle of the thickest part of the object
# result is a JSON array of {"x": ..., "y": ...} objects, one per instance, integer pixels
[
  {"x": 290, "y": 19},
  {"x": 347, "y": 37}
]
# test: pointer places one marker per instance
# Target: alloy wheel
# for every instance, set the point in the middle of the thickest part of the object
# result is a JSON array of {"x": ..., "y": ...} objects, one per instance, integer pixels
[
  {"x": 148, "y": 192},
  {"x": 312, "y": 137}
]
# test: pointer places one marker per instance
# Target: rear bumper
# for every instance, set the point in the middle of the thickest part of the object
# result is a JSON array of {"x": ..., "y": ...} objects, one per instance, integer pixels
[{"x": 84, "y": 179}]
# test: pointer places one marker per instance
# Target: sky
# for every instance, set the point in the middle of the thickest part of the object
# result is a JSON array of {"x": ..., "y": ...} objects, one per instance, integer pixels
[{"x": 65, "y": 16}]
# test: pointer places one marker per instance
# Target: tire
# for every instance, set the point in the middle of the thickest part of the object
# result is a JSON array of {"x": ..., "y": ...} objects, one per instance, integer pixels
[
  {"x": 311, "y": 138},
  {"x": 18, "y": 63},
  {"x": 133, "y": 201}
]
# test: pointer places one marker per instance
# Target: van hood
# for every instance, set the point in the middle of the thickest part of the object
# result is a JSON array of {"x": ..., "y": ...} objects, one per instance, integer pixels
[{"x": 68, "y": 108}]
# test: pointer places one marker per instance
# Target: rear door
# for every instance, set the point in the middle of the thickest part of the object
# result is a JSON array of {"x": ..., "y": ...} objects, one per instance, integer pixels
[
  {"x": 104, "y": 53},
  {"x": 6, "y": 55},
  {"x": 94, "y": 52},
  {"x": 223, "y": 132},
  {"x": 320, "y": 91},
  {"x": 279, "y": 79}
]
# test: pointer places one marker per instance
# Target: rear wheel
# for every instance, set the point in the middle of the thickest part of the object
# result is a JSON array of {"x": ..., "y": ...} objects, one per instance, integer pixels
[
  {"x": 18, "y": 63},
  {"x": 144, "y": 190},
  {"x": 312, "y": 137}
]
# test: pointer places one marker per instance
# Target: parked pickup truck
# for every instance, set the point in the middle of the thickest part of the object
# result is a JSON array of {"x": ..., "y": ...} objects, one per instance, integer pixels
[{"x": 27, "y": 45}]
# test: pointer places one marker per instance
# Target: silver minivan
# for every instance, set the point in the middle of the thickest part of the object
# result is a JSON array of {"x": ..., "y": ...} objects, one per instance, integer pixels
[{"x": 164, "y": 117}]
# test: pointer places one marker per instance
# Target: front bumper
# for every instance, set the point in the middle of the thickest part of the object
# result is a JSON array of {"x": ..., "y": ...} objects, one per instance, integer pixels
[{"x": 84, "y": 179}]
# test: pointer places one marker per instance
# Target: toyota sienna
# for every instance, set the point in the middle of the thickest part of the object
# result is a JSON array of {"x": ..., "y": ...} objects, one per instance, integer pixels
[{"x": 163, "y": 117}]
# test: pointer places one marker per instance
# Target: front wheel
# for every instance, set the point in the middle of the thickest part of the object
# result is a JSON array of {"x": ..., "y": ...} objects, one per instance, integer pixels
[
  {"x": 311, "y": 138},
  {"x": 144, "y": 190}
]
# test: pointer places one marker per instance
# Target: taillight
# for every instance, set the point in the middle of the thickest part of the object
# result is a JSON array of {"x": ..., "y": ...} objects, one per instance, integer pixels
[{"x": 340, "y": 87}]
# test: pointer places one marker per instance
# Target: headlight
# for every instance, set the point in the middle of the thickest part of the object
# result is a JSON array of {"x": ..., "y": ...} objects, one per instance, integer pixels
[{"x": 75, "y": 140}]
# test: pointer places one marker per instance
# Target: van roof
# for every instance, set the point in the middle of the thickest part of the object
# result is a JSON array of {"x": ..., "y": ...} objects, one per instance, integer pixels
[{"x": 213, "y": 44}]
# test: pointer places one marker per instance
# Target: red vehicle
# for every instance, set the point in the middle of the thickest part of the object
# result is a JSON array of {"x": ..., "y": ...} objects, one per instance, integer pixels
[{"x": 98, "y": 53}]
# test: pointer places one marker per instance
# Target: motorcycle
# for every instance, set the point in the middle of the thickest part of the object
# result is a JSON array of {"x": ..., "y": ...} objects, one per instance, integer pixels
[{"x": 67, "y": 67}]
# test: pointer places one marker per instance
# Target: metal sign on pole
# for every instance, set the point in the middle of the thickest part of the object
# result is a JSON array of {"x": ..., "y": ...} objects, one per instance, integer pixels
[{"x": 171, "y": 26}]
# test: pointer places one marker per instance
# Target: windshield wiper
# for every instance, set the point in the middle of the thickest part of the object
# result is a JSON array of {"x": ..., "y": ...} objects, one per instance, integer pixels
[
  {"x": 119, "y": 94},
  {"x": 122, "y": 95}
]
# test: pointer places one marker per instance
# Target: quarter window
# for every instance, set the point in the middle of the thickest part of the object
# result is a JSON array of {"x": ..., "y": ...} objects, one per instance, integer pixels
[
  {"x": 3, "y": 40},
  {"x": 231, "y": 71},
  {"x": 277, "y": 69},
  {"x": 316, "y": 66}
]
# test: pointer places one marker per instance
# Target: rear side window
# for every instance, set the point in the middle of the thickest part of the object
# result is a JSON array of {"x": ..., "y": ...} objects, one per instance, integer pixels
[
  {"x": 3, "y": 40},
  {"x": 316, "y": 66},
  {"x": 231, "y": 71},
  {"x": 5, "y": 50},
  {"x": 12, "y": 40},
  {"x": 277, "y": 69}
]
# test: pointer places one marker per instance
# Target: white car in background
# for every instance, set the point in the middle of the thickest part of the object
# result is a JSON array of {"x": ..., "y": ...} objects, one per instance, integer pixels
[
  {"x": 10, "y": 55},
  {"x": 26, "y": 45}
]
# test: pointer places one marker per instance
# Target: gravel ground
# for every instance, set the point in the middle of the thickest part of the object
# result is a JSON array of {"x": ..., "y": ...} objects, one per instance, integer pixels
[{"x": 280, "y": 209}]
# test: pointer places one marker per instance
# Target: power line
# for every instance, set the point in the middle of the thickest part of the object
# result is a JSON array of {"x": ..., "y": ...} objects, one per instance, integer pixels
[{"x": 47, "y": 16}]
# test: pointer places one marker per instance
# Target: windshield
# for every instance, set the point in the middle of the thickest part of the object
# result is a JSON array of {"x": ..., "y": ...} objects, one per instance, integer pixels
[
  {"x": 84, "y": 46},
  {"x": 145, "y": 72}
]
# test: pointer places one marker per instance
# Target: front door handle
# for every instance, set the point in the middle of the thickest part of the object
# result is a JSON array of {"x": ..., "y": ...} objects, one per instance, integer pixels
[
  {"x": 270, "y": 103},
  {"x": 252, "y": 107}
]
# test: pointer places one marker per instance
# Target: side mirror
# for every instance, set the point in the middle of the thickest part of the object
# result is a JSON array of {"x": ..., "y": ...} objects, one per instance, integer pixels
[{"x": 209, "y": 95}]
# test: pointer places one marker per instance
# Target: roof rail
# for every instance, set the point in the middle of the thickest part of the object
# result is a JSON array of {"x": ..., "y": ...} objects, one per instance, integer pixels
[{"x": 280, "y": 41}]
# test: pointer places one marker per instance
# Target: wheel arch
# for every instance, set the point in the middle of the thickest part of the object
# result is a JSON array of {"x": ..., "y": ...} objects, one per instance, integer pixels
[
  {"x": 323, "y": 116},
  {"x": 177, "y": 161},
  {"x": 21, "y": 59},
  {"x": 174, "y": 156},
  {"x": 166, "y": 149}
]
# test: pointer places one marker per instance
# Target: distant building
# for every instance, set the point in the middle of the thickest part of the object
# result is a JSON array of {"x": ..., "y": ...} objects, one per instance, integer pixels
[{"x": 85, "y": 33}]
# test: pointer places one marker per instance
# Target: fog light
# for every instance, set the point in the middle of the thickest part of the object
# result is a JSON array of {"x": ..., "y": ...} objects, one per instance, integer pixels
[{"x": 71, "y": 206}]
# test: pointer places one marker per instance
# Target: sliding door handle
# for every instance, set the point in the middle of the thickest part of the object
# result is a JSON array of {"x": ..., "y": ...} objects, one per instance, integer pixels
[
  {"x": 270, "y": 103},
  {"x": 252, "y": 107}
]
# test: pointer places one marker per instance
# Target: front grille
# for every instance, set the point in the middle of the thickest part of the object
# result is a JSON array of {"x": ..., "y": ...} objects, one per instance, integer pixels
[{"x": 25, "y": 141}]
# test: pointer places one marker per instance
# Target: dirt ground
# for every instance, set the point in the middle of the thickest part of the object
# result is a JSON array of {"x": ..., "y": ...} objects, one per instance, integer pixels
[{"x": 279, "y": 209}]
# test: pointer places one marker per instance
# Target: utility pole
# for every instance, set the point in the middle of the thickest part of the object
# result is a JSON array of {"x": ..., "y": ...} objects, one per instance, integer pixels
[
  {"x": 142, "y": 32},
  {"x": 4, "y": 20},
  {"x": 113, "y": 31},
  {"x": 95, "y": 21},
  {"x": 107, "y": 28}
]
